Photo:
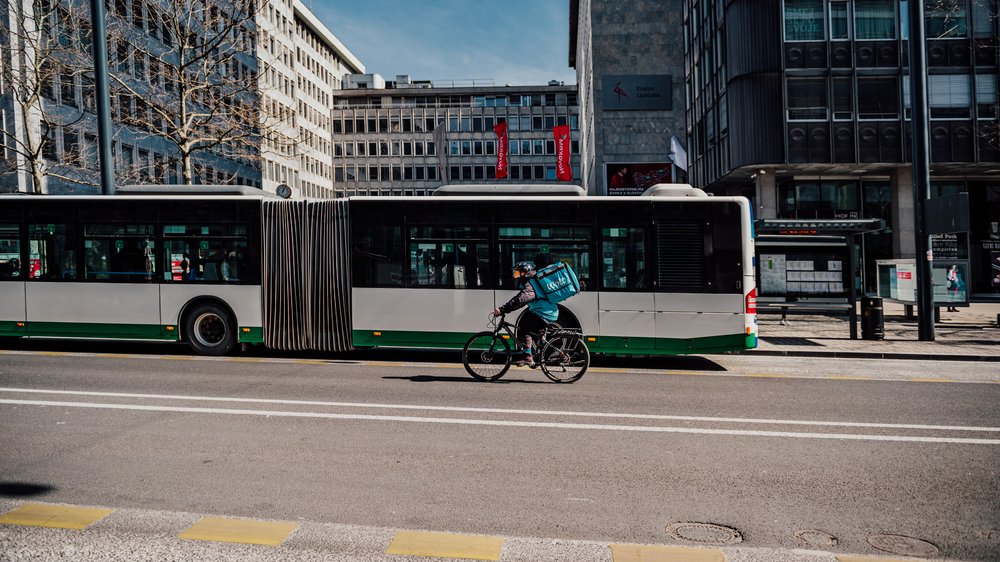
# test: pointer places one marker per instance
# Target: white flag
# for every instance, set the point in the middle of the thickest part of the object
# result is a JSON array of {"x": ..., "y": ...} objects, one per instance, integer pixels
[{"x": 678, "y": 154}]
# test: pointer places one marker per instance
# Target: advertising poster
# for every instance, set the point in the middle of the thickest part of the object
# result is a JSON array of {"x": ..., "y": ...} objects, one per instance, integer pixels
[
  {"x": 995, "y": 270},
  {"x": 772, "y": 274},
  {"x": 633, "y": 179}
]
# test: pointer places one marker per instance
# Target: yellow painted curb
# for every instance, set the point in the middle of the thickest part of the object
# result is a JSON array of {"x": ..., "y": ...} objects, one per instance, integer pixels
[
  {"x": 245, "y": 531},
  {"x": 55, "y": 516},
  {"x": 649, "y": 553},
  {"x": 446, "y": 545}
]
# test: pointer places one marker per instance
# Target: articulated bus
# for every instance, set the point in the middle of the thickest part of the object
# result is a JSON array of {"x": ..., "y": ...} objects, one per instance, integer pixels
[{"x": 670, "y": 272}]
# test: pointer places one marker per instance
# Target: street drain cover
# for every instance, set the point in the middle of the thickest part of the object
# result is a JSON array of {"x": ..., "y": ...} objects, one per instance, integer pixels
[
  {"x": 704, "y": 533},
  {"x": 907, "y": 546},
  {"x": 814, "y": 537}
]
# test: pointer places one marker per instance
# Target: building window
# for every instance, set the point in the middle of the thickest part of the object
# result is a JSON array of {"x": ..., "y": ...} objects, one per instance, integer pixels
[
  {"x": 947, "y": 19},
  {"x": 839, "y": 27},
  {"x": 986, "y": 96},
  {"x": 949, "y": 95},
  {"x": 843, "y": 97},
  {"x": 875, "y": 19},
  {"x": 807, "y": 99},
  {"x": 878, "y": 97},
  {"x": 804, "y": 20}
]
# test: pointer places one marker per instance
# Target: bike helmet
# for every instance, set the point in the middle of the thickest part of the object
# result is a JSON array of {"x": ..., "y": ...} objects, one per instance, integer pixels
[{"x": 524, "y": 269}]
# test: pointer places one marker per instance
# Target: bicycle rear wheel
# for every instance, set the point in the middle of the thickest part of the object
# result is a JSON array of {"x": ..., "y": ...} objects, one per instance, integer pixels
[
  {"x": 486, "y": 356},
  {"x": 565, "y": 359}
]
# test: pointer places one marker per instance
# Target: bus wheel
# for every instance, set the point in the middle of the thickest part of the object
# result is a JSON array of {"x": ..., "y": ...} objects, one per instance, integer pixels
[{"x": 209, "y": 330}]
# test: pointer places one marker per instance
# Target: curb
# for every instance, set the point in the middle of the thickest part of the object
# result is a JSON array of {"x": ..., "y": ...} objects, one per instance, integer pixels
[{"x": 876, "y": 355}]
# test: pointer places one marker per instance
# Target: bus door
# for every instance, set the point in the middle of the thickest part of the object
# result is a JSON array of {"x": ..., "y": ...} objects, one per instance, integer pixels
[
  {"x": 625, "y": 301},
  {"x": 12, "y": 271}
]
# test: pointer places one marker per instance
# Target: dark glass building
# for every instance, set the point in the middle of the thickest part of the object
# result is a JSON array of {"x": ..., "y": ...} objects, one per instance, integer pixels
[{"x": 804, "y": 106}]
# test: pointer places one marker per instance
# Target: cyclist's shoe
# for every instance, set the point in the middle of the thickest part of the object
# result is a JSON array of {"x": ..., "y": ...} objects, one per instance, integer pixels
[{"x": 528, "y": 361}]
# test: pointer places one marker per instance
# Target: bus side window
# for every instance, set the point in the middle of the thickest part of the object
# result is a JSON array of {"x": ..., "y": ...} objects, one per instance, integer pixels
[
  {"x": 10, "y": 253},
  {"x": 623, "y": 258},
  {"x": 52, "y": 252}
]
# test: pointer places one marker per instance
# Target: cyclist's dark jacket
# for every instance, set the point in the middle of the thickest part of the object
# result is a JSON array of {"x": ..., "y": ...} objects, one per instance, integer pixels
[{"x": 527, "y": 296}]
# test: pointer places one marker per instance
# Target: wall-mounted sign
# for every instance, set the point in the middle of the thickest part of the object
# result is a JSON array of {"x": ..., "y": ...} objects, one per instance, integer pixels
[{"x": 637, "y": 92}]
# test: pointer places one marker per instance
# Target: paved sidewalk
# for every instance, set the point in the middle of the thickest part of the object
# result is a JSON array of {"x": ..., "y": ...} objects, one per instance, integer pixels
[{"x": 971, "y": 334}]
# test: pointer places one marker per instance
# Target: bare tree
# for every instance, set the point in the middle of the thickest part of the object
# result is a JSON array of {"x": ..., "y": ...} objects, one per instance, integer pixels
[
  {"x": 42, "y": 61},
  {"x": 186, "y": 71}
]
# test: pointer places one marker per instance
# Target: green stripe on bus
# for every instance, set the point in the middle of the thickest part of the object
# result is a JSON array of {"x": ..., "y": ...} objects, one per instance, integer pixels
[
  {"x": 94, "y": 330},
  {"x": 601, "y": 344},
  {"x": 251, "y": 334}
]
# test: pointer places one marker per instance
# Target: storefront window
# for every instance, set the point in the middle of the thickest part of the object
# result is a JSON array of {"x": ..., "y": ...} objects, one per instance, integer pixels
[
  {"x": 804, "y": 20},
  {"x": 984, "y": 238},
  {"x": 827, "y": 199}
]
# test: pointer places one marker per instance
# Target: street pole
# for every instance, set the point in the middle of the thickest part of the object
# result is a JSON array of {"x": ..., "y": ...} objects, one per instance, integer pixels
[
  {"x": 99, "y": 27},
  {"x": 920, "y": 126}
]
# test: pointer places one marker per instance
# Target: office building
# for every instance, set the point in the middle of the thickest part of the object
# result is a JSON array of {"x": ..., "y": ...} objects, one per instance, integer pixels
[{"x": 409, "y": 137}]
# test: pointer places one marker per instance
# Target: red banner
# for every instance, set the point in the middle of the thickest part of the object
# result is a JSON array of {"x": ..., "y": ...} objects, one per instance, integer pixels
[
  {"x": 501, "y": 130},
  {"x": 563, "y": 170}
]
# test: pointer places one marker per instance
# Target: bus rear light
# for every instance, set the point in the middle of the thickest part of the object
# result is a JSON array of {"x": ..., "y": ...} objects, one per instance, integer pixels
[{"x": 751, "y": 301}]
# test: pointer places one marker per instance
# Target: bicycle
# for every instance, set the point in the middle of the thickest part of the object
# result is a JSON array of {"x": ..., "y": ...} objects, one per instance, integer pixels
[{"x": 560, "y": 352}]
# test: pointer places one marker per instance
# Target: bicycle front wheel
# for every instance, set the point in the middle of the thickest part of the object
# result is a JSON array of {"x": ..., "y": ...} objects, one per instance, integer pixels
[
  {"x": 565, "y": 359},
  {"x": 486, "y": 356}
]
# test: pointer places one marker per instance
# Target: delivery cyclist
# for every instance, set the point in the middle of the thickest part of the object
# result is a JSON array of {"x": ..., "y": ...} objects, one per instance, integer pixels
[{"x": 545, "y": 311}]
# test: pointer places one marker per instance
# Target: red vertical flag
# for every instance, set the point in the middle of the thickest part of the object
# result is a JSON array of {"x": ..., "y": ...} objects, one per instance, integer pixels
[
  {"x": 501, "y": 130},
  {"x": 563, "y": 170}
]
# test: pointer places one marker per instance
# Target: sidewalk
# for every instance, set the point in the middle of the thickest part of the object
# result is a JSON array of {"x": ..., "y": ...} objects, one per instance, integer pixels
[{"x": 969, "y": 335}]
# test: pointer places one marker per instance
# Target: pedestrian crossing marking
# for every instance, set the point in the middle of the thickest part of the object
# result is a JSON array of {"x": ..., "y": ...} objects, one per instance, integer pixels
[
  {"x": 446, "y": 545},
  {"x": 218, "y": 529},
  {"x": 54, "y": 516},
  {"x": 649, "y": 553}
]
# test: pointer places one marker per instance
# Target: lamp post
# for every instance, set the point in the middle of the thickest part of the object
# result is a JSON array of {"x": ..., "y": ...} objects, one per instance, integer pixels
[
  {"x": 100, "y": 41},
  {"x": 920, "y": 127}
]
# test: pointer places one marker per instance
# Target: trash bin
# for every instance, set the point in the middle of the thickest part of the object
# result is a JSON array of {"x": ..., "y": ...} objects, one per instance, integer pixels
[{"x": 872, "y": 318}]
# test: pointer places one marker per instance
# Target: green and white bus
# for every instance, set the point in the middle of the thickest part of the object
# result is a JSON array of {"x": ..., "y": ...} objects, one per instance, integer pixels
[{"x": 670, "y": 272}]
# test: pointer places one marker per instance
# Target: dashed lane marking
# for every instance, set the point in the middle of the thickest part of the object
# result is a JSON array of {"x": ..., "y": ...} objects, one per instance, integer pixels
[
  {"x": 218, "y": 529},
  {"x": 55, "y": 516},
  {"x": 651, "y": 553},
  {"x": 446, "y": 545}
]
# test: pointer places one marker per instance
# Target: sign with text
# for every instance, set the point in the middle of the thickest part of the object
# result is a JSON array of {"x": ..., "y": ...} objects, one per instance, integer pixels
[
  {"x": 635, "y": 178},
  {"x": 637, "y": 92}
]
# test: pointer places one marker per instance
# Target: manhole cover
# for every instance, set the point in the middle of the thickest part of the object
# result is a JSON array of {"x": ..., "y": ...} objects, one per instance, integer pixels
[
  {"x": 907, "y": 546},
  {"x": 704, "y": 533},
  {"x": 814, "y": 537}
]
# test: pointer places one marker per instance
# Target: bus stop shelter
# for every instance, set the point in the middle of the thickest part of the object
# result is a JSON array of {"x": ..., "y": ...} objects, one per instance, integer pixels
[{"x": 809, "y": 265}]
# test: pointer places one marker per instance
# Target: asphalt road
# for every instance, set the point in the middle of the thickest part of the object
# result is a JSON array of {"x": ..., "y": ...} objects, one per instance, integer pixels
[{"x": 768, "y": 446}]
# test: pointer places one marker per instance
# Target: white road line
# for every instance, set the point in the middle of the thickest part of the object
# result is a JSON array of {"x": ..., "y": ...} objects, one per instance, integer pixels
[
  {"x": 508, "y": 423},
  {"x": 500, "y": 410}
]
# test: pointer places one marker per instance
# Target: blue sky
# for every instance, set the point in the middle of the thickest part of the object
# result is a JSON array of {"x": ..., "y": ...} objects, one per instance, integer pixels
[{"x": 517, "y": 42}]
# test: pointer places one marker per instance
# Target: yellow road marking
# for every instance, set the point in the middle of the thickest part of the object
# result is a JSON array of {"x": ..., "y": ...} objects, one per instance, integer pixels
[
  {"x": 56, "y": 353},
  {"x": 309, "y": 362},
  {"x": 55, "y": 516},
  {"x": 446, "y": 545},
  {"x": 218, "y": 529},
  {"x": 849, "y": 378},
  {"x": 648, "y": 553},
  {"x": 766, "y": 376},
  {"x": 930, "y": 379}
]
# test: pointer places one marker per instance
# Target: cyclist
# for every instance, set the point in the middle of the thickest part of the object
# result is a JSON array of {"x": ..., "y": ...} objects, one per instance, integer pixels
[{"x": 545, "y": 311}]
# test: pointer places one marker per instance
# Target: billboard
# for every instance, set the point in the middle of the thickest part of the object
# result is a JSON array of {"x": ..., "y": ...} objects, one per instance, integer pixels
[
  {"x": 636, "y": 92},
  {"x": 635, "y": 177}
]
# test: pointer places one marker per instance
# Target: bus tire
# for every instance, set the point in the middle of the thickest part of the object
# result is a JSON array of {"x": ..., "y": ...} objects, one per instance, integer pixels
[{"x": 210, "y": 330}]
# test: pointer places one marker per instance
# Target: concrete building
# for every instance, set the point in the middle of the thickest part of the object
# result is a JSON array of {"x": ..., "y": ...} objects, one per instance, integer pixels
[
  {"x": 409, "y": 137},
  {"x": 297, "y": 63},
  {"x": 628, "y": 57},
  {"x": 804, "y": 106}
]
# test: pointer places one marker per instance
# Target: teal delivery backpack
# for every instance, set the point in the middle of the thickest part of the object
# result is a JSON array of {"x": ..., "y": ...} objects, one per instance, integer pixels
[{"x": 558, "y": 281}]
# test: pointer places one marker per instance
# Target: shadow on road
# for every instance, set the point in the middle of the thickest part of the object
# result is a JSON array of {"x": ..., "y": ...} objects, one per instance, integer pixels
[
  {"x": 23, "y": 489},
  {"x": 433, "y": 378},
  {"x": 666, "y": 362}
]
